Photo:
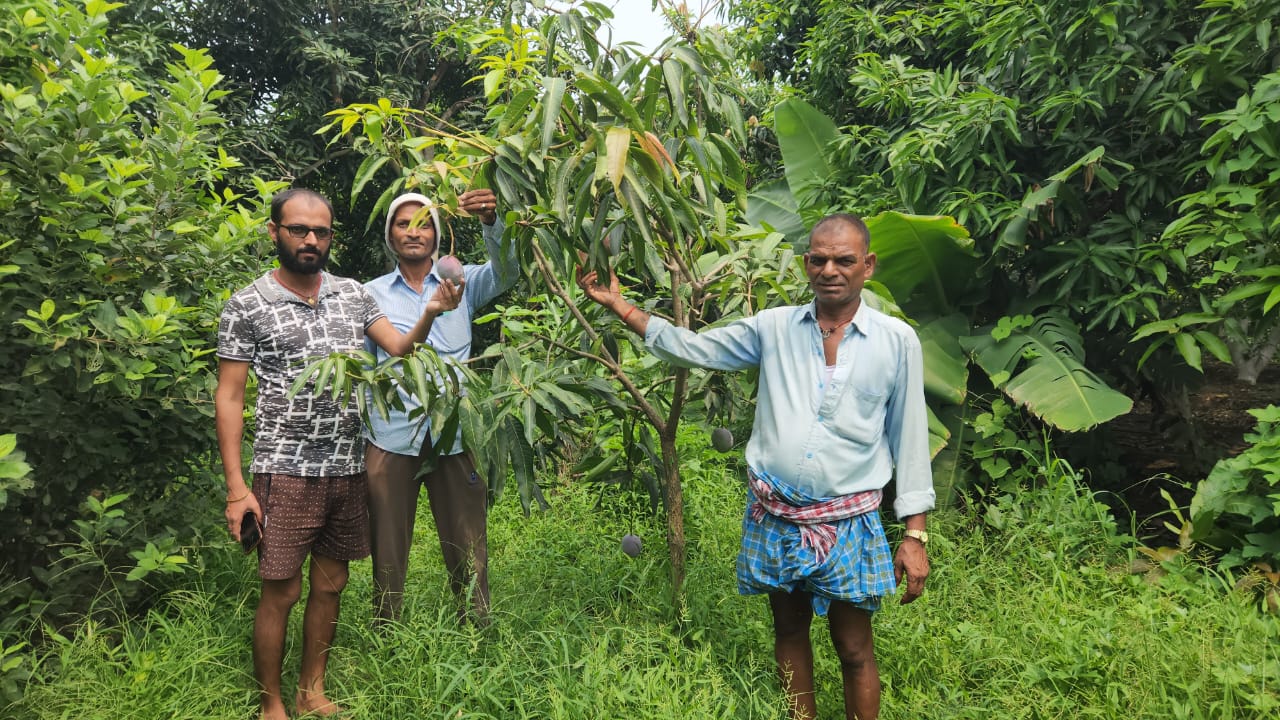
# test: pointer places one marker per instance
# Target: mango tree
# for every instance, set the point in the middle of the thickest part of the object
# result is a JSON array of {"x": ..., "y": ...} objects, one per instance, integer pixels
[
  {"x": 601, "y": 157},
  {"x": 604, "y": 159}
]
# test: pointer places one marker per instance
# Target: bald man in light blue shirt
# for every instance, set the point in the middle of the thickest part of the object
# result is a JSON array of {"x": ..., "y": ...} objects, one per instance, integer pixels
[{"x": 840, "y": 411}]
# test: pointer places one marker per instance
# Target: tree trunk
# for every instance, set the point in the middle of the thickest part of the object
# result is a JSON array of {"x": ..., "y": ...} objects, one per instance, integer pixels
[
  {"x": 674, "y": 495},
  {"x": 1251, "y": 359}
]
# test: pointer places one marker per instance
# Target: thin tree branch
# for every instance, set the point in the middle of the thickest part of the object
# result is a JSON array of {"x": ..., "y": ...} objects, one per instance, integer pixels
[
  {"x": 544, "y": 267},
  {"x": 315, "y": 166}
]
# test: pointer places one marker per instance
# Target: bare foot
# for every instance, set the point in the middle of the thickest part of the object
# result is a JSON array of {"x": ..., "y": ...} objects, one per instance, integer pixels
[
  {"x": 273, "y": 711},
  {"x": 309, "y": 702}
]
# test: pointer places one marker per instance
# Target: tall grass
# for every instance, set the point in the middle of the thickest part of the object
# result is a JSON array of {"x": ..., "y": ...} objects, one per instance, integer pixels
[{"x": 1024, "y": 617}]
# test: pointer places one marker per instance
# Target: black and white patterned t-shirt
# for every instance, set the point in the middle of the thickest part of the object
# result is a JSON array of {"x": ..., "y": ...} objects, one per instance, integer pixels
[{"x": 309, "y": 435}]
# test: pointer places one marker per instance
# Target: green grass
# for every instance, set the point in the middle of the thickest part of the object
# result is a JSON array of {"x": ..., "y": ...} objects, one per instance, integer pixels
[{"x": 1024, "y": 617}]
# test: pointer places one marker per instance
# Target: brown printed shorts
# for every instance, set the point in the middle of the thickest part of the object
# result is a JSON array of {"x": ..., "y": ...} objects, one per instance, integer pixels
[{"x": 327, "y": 516}]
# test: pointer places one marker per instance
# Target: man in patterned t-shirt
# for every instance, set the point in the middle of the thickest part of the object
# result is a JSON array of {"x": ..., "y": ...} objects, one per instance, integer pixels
[{"x": 309, "y": 491}]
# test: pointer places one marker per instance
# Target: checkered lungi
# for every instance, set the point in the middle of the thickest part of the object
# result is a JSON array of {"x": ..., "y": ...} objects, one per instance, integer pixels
[{"x": 779, "y": 555}]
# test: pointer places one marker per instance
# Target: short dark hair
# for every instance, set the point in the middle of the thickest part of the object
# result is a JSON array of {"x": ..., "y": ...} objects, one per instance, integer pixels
[
  {"x": 284, "y": 196},
  {"x": 849, "y": 220}
]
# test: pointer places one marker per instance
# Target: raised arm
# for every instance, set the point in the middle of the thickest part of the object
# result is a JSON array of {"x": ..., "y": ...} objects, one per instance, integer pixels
[{"x": 487, "y": 281}]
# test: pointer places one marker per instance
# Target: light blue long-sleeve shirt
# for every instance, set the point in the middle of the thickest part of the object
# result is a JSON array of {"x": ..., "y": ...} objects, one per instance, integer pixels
[
  {"x": 824, "y": 438},
  {"x": 450, "y": 334}
]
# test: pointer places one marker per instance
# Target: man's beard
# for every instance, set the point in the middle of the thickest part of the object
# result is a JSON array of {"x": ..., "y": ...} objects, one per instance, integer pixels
[{"x": 311, "y": 263}]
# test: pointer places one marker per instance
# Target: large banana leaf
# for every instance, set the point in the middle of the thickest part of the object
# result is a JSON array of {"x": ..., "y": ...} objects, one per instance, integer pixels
[
  {"x": 1041, "y": 367},
  {"x": 803, "y": 135},
  {"x": 773, "y": 204},
  {"x": 946, "y": 365},
  {"x": 928, "y": 262},
  {"x": 939, "y": 433}
]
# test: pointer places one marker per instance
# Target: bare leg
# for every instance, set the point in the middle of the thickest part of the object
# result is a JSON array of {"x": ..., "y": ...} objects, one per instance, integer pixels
[
  {"x": 269, "y": 625},
  {"x": 792, "y": 616},
  {"x": 328, "y": 578},
  {"x": 851, "y": 636}
]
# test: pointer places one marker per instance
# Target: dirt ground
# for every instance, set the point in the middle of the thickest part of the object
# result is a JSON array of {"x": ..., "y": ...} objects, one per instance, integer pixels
[{"x": 1157, "y": 451}]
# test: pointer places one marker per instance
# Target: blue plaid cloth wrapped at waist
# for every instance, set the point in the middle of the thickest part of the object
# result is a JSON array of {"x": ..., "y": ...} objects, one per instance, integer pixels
[{"x": 833, "y": 548}]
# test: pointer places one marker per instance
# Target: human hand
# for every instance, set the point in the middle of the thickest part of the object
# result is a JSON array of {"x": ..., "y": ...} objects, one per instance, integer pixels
[
  {"x": 609, "y": 296},
  {"x": 482, "y": 203},
  {"x": 446, "y": 297},
  {"x": 234, "y": 512},
  {"x": 911, "y": 560}
]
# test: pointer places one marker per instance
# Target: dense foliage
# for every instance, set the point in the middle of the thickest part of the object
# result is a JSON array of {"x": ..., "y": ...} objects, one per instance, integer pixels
[
  {"x": 1108, "y": 159},
  {"x": 1114, "y": 163},
  {"x": 288, "y": 62},
  {"x": 121, "y": 234},
  {"x": 1072, "y": 202},
  {"x": 1237, "y": 508}
]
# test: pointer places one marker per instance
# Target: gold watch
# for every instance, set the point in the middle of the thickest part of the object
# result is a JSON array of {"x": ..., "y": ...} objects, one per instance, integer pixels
[{"x": 920, "y": 535}]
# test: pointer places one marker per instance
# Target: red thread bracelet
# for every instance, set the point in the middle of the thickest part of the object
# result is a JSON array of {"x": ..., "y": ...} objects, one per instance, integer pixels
[{"x": 628, "y": 314}]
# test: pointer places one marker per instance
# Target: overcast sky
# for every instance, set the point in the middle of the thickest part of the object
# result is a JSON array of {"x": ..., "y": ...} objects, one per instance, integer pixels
[{"x": 634, "y": 20}]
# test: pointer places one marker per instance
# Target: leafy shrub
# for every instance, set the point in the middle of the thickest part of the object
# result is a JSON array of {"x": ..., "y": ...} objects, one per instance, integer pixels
[
  {"x": 119, "y": 239},
  {"x": 1237, "y": 508}
]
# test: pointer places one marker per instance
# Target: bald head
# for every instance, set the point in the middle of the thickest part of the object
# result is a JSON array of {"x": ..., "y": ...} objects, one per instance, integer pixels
[{"x": 842, "y": 223}]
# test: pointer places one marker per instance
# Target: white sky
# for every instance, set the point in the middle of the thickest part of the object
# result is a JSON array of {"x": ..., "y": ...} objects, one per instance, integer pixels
[{"x": 635, "y": 20}]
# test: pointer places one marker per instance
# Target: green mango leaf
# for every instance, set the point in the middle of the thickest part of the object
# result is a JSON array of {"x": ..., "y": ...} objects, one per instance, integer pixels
[{"x": 551, "y": 101}]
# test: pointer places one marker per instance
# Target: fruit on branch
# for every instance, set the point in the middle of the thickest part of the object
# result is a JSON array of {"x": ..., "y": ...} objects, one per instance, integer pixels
[
  {"x": 722, "y": 439},
  {"x": 450, "y": 268}
]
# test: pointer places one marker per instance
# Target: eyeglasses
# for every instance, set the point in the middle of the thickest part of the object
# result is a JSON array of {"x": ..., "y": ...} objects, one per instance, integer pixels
[{"x": 300, "y": 232}]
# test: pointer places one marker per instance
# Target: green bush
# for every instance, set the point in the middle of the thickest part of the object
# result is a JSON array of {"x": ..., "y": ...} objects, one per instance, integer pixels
[
  {"x": 120, "y": 234},
  {"x": 1237, "y": 508}
]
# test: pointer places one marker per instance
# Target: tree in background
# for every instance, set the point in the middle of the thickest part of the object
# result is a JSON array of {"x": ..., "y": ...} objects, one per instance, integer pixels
[
  {"x": 1115, "y": 163},
  {"x": 288, "y": 62},
  {"x": 1076, "y": 142},
  {"x": 123, "y": 222}
]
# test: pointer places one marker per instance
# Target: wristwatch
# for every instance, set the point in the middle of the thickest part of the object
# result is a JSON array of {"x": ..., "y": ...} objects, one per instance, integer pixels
[{"x": 920, "y": 535}]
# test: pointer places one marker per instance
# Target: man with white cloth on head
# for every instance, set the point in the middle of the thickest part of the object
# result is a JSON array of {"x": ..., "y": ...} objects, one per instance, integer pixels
[{"x": 396, "y": 447}]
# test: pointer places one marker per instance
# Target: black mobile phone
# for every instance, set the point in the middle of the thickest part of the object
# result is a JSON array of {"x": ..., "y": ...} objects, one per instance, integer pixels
[{"x": 250, "y": 531}]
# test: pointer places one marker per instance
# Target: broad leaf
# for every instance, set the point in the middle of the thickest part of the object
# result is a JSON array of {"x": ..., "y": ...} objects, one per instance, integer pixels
[
  {"x": 774, "y": 205},
  {"x": 927, "y": 262},
  {"x": 1044, "y": 364},
  {"x": 946, "y": 365},
  {"x": 803, "y": 135}
]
